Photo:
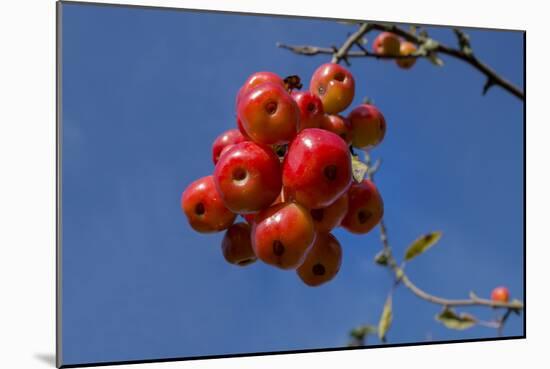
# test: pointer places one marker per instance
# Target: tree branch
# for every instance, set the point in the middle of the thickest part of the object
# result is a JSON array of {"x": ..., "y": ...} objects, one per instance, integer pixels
[
  {"x": 465, "y": 53},
  {"x": 472, "y": 301},
  {"x": 402, "y": 278},
  {"x": 342, "y": 52}
]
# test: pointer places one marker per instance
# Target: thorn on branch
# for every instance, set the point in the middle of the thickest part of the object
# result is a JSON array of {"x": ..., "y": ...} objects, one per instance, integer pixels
[
  {"x": 463, "y": 41},
  {"x": 490, "y": 83},
  {"x": 363, "y": 49},
  {"x": 345, "y": 59}
]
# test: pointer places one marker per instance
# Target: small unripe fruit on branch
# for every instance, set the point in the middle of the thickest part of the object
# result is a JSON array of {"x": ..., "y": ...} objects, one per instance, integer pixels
[
  {"x": 386, "y": 43},
  {"x": 406, "y": 48}
]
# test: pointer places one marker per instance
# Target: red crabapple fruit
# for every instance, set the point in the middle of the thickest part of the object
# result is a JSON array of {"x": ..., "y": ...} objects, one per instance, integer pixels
[
  {"x": 311, "y": 109},
  {"x": 257, "y": 79},
  {"x": 228, "y": 138},
  {"x": 248, "y": 177},
  {"x": 204, "y": 208},
  {"x": 407, "y": 48},
  {"x": 322, "y": 262},
  {"x": 282, "y": 234},
  {"x": 338, "y": 125},
  {"x": 317, "y": 168},
  {"x": 365, "y": 207},
  {"x": 500, "y": 294},
  {"x": 387, "y": 43},
  {"x": 237, "y": 246},
  {"x": 268, "y": 114},
  {"x": 368, "y": 126},
  {"x": 335, "y": 87},
  {"x": 326, "y": 219}
]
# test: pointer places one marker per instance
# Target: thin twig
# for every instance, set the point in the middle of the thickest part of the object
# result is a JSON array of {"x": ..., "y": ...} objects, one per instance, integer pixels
[
  {"x": 472, "y": 301},
  {"x": 502, "y": 321},
  {"x": 342, "y": 52},
  {"x": 309, "y": 50},
  {"x": 403, "y": 278}
]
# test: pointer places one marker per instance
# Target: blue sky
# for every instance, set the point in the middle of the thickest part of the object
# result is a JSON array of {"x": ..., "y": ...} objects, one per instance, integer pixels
[{"x": 145, "y": 92}]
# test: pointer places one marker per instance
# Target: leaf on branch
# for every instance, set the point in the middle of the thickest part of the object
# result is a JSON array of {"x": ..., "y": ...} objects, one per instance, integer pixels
[
  {"x": 381, "y": 258},
  {"x": 463, "y": 41},
  {"x": 362, "y": 331},
  {"x": 436, "y": 60},
  {"x": 450, "y": 319},
  {"x": 412, "y": 29},
  {"x": 422, "y": 244},
  {"x": 359, "y": 169},
  {"x": 430, "y": 44},
  {"x": 423, "y": 33},
  {"x": 385, "y": 319}
]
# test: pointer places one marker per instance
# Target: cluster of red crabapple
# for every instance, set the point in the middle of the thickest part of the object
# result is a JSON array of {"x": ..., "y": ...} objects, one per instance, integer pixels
[{"x": 287, "y": 170}]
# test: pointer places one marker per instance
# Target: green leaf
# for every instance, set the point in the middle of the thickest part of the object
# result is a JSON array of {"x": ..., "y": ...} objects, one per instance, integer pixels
[
  {"x": 430, "y": 44},
  {"x": 360, "y": 332},
  {"x": 422, "y": 244},
  {"x": 464, "y": 42},
  {"x": 381, "y": 258},
  {"x": 450, "y": 319},
  {"x": 435, "y": 59},
  {"x": 385, "y": 320},
  {"x": 359, "y": 169}
]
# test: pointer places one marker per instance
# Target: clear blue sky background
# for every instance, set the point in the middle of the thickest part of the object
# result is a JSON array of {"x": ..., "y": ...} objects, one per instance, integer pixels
[{"x": 145, "y": 92}]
